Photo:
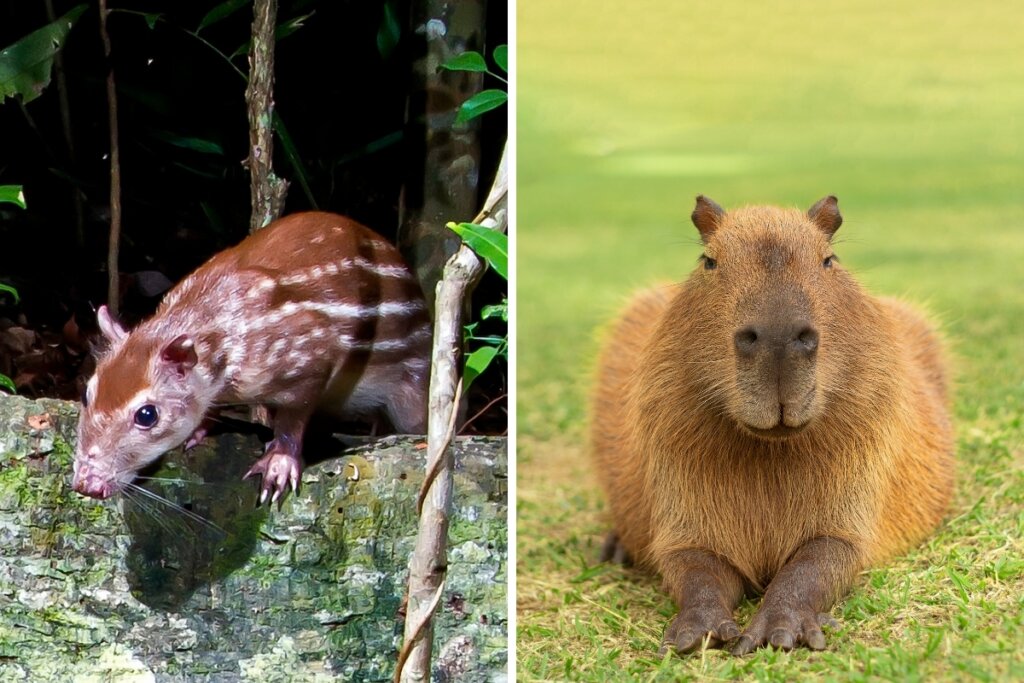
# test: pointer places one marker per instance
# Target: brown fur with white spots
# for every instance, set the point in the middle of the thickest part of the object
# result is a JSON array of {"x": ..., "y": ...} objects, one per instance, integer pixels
[
  {"x": 313, "y": 313},
  {"x": 768, "y": 426}
]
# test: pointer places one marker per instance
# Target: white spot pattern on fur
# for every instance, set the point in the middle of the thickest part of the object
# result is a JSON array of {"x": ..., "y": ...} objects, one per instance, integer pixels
[{"x": 317, "y": 272}]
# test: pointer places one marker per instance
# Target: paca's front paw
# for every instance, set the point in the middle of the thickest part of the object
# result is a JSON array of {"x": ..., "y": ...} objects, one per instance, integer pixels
[
  {"x": 279, "y": 470},
  {"x": 784, "y": 627},
  {"x": 687, "y": 630}
]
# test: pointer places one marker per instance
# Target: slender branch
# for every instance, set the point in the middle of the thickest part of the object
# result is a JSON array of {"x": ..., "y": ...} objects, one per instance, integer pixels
[
  {"x": 494, "y": 75},
  {"x": 268, "y": 191},
  {"x": 465, "y": 425},
  {"x": 429, "y": 564},
  {"x": 114, "y": 244},
  {"x": 437, "y": 460},
  {"x": 421, "y": 623}
]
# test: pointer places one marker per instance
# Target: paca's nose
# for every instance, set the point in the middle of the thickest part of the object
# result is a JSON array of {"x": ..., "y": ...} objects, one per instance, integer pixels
[{"x": 90, "y": 483}]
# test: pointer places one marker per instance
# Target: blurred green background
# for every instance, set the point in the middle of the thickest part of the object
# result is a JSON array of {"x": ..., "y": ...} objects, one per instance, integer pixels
[{"x": 912, "y": 113}]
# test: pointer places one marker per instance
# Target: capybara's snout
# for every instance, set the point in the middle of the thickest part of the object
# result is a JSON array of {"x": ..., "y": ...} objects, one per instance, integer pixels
[
  {"x": 776, "y": 371},
  {"x": 793, "y": 339}
]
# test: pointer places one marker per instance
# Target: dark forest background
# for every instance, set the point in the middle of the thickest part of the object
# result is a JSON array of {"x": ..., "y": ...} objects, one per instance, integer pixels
[{"x": 344, "y": 77}]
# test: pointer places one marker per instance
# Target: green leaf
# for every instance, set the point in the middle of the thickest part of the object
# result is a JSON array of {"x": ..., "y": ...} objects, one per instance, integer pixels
[
  {"x": 151, "y": 20},
  {"x": 467, "y": 61},
  {"x": 493, "y": 340},
  {"x": 490, "y": 245},
  {"x": 479, "y": 103},
  {"x": 291, "y": 26},
  {"x": 501, "y": 57},
  {"x": 12, "y": 194},
  {"x": 476, "y": 363},
  {"x": 185, "y": 142},
  {"x": 495, "y": 311},
  {"x": 388, "y": 32},
  {"x": 221, "y": 11},
  {"x": 291, "y": 153},
  {"x": 26, "y": 64},
  {"x": 12, "y": 291},
  {"x": 7, "y": 384}
]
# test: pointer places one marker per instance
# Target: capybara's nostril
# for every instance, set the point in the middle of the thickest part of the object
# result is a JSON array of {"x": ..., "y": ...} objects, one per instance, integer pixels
[
  {"x": 806, "y": 341},
  {"x": 746, "y": 340}
]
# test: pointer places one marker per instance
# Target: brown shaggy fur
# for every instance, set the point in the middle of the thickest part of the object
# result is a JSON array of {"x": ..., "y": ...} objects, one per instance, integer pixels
[{"x": 870, "y": 470}]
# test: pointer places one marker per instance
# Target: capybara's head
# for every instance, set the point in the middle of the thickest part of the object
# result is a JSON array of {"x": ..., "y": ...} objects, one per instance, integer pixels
[{"x": 771, "y": 292}]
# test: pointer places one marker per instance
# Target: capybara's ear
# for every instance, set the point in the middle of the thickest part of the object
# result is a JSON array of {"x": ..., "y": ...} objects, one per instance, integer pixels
[
  {"x": 825, "y": 214},
  {"x": 706, "y": 216}
]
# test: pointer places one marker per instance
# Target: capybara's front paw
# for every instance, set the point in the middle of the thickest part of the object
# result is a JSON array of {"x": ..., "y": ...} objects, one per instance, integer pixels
[
  {"x": 687, "y": 630},
  {"x": 784, "y": 627}
]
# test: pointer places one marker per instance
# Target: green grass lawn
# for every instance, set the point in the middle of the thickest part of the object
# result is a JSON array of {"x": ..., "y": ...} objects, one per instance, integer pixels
[{"x": 913, "y": 115}]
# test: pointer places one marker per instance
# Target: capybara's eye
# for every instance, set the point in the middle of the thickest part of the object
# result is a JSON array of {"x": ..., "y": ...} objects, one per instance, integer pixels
[
  {"x": 146, "y": 416},
  {"x": 709, "y": 263},
  {"x": 827, "y": 263}
]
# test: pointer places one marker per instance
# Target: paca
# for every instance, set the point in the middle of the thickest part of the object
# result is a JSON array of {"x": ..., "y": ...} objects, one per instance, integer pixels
[{"x": 313, "y": 314}]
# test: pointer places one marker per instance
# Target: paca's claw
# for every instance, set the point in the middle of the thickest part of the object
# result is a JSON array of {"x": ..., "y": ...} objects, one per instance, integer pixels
[
  {"x": 196, "y": 439},
  {"x": 278, "y": 470},
  {"x": 202, "y": 431}
]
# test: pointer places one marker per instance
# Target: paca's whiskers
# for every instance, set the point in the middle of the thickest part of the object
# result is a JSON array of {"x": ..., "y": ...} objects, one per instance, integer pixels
[
  {"x": 173, "y": 480},
  {"x": 150, "y": 511},
  {"x": 157, "y": 498}
]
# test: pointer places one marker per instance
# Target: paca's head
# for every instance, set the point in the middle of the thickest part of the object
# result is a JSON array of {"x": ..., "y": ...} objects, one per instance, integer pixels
[
  {"x": 141, "y": 402},
  {"x": 770, "y": 287}
]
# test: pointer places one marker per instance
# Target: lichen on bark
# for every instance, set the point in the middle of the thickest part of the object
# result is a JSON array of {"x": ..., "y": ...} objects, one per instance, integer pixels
[{"x": 93, "y": 590}]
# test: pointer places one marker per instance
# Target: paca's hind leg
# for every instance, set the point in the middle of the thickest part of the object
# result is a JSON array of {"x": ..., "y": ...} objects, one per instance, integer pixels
[{"x": 406, "y": 408}]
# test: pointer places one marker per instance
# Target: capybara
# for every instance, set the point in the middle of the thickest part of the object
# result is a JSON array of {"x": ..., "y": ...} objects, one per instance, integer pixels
[{"x": 768, "y": 426}]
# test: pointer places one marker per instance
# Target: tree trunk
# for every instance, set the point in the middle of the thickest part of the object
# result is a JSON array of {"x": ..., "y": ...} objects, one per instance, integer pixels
[{"x": 106, "y": 590}]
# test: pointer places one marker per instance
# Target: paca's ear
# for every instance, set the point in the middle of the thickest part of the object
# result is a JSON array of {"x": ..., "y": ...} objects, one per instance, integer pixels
[
  {"x": 180, "y": 354},
  {"x": 110, "y": 328}
]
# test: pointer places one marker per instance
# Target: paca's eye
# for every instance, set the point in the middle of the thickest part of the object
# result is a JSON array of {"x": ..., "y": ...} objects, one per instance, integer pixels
[
  {"x": 146, "y": 416},
  {"x": 85, "y": 398},
  {"x": 709, "y": 263}
]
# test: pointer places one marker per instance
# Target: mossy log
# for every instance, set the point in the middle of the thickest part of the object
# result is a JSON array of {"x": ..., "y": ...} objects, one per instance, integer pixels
[{"x": 219, "y": 589}]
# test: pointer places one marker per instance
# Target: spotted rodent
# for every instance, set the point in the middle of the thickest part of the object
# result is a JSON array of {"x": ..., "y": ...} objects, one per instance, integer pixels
[
  {"x": 768, "y": 426},
  {"x": 314, "y": 313}
]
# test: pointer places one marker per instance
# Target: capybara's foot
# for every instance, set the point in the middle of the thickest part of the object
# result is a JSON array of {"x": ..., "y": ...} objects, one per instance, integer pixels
[
  {"x": 784, "y": 627},
  {"x": 613, "y": 551},
  {"x": 687, "y": 630}
]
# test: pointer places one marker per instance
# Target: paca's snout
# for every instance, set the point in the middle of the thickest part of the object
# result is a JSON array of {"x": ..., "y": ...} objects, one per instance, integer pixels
[{"x": 90, "y": 482}]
